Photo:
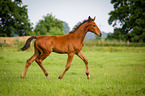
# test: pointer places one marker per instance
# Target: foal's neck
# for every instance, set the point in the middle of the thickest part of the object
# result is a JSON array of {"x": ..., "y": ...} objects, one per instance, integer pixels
[{"x": 81, "y": 32}]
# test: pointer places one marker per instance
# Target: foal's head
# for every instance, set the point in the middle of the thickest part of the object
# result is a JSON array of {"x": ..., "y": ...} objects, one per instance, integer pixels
[{"x": 92, "y": 27}]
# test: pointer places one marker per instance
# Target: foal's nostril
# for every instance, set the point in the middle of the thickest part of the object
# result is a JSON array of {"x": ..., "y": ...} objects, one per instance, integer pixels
[{"x": 100, "y": 34}]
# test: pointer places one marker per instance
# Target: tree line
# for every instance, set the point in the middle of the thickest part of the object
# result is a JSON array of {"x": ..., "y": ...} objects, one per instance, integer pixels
[
  {"x": 50, "y": 25},
  {"x": 14, "y": 21},
  {"x": 130, "y": 14},
  {"x": 14, "y": 18}
]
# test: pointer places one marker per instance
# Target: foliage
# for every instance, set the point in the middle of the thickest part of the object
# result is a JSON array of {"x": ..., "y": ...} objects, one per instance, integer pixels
[
  {"x": 14, "y": 18},
  {"x": 49, "y": 25},
  {"x": 131, "y": 16},
  {"x": 55, "y": 31},
  {"x": 112, "y": 74}
]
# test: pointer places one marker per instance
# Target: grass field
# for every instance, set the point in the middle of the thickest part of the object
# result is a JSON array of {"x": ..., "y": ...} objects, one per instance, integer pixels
[{"x": 116, "y": 71}]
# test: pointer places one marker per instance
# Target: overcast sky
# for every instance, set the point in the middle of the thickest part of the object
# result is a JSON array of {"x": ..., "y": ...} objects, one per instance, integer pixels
[{"x": 71, "y": 11}]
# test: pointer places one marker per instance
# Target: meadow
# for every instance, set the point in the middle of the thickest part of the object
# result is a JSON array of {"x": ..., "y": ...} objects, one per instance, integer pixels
[{"x": 115, "y": 71}]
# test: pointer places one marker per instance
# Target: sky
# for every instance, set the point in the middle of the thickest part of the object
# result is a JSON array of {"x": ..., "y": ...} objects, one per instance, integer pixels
[{"x": 71, "y": 11}]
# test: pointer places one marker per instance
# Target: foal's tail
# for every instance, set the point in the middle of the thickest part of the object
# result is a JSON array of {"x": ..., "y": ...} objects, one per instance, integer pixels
[{"x": 27, "y": 44}]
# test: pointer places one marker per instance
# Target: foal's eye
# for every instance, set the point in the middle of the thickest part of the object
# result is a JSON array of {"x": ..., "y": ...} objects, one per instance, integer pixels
[{"x": 94, "y": 26}]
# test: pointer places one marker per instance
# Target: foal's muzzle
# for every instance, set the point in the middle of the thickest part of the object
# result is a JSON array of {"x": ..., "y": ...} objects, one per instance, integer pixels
[{"x": 100, "y": 34}]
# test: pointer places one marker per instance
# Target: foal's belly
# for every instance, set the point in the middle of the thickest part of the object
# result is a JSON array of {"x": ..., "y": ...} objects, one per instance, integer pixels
[{"x": 66, "y": 48}]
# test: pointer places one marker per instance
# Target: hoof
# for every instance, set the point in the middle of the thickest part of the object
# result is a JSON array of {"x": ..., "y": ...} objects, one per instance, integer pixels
[
  {"x": 88, "y": 75},
  {"x": 59, "y": 77},
  {"x": 22, "y": 76},
  {"x": 47, "y": 77}
]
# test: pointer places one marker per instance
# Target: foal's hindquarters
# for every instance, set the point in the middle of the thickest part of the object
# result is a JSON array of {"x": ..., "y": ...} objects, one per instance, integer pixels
[{"x": 38, "y": 56}]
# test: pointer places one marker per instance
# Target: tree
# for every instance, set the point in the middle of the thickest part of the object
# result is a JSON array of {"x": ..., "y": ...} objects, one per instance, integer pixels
[
  {"x": 49, "y": 25},
  {"x": 66, "y": 28},
  {"x": 14, "y": 18},
  {"x": 131, "y": 16}
]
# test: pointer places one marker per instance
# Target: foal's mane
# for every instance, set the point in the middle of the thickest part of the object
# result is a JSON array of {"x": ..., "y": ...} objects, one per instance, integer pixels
[{"x": 77, "y": 26}]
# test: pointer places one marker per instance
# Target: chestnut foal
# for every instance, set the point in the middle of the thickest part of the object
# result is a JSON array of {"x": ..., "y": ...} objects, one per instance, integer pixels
[{"x": 70, "y": 43}]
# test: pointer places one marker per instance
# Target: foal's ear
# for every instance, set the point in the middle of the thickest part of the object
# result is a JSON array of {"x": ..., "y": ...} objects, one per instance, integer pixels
[
  {"x": 94, "y": 18},
  {"x": 89, "y": 19}
]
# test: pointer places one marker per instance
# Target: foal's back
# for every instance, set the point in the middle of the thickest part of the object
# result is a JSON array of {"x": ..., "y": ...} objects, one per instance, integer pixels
[{"x": 60, "y": 44}]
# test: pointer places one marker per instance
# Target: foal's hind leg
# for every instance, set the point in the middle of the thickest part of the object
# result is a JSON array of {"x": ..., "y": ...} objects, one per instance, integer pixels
[
  {"x": 29, "y": 62},
  {"x": 80, "y": 54},
  {"x": 39, "y": 61}
]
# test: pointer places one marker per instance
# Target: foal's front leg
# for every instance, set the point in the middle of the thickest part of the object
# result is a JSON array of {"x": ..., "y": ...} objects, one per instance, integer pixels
[{"x": 69, "y": 60}]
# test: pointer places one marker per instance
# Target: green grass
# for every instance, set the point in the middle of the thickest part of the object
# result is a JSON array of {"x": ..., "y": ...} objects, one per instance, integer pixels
[{"x": 114, "y": 72}]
